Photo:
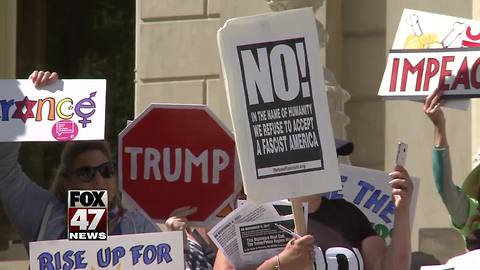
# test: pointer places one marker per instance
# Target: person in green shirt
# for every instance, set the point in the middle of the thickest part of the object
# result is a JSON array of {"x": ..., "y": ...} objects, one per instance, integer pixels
[{"x": 461, "y": 203}]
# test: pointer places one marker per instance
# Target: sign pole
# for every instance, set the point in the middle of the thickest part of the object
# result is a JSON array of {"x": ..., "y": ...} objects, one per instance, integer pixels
[{"x": 299, "y": 219}]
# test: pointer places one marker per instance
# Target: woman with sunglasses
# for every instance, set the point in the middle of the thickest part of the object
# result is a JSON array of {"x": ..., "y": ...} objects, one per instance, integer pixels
[{"x": 38, "y": 214}]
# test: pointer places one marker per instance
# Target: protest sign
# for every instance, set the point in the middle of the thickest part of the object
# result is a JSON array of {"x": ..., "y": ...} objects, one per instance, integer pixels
[
  {"x": 64, "y": 111},
  {"x": 227, "y": 237},
  {"x": 467, "y": 261},
  {"x": 174, "y": 156},
  {"x": 370, "y": 191},
  {"x": 136, "y": 251},
  {"x": 260, "y": 236},
  {"x": 433, "y": 51},
  {"x": 259, "y": 241},
  {"x": 279, "y": 108}
]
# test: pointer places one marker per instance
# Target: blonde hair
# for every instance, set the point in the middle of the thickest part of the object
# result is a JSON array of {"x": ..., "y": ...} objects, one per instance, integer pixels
[{"x": 69, "y": 153}]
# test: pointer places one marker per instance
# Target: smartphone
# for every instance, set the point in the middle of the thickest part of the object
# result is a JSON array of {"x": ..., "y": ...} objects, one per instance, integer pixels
[{"x": 401, "y": 154}]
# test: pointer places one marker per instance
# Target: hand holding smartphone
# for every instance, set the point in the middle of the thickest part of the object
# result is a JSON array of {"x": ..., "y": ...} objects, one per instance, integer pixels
[{"x": 401, "y": 154}]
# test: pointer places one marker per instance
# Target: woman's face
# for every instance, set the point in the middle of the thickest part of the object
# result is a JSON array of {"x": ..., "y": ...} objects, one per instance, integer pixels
[{"x": 93, "y": 170}]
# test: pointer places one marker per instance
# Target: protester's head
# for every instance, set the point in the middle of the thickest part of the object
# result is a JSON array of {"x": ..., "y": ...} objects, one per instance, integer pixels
[{"x": 86, "y": 165}]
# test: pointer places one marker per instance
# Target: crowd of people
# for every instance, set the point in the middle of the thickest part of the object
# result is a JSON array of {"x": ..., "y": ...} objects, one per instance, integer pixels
[{"x": 38, "y": 214}]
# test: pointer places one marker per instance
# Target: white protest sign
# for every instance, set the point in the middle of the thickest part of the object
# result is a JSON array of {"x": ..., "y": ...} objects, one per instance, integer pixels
[
  {"x": 64, "y": 111},
  {"x": 467, "y": 261},
  {"x": 136, "y": 251},
  {"x": 279, "y": 108},
  {"x": 224, "y": 232},
  {"x": 261, "y": 240},
  {"x": 433, "y": 51},
  {"x": 370, "y": 191}
]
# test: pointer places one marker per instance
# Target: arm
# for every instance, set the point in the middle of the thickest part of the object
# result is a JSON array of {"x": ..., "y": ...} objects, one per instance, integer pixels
[
  {"x": 455, "y": 200},
  {"x": 24, "y": 201},
  {"x": 221, "y": 262},
  {"x": 397, "y": 255}
]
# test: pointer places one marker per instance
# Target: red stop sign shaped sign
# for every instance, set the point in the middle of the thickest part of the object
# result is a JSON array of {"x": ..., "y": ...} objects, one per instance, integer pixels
[{"x": 174, "y": 156}]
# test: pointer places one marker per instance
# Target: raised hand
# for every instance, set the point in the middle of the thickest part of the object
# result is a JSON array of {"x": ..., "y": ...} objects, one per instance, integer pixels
[
  {"x": 402, "y": 188},
  {"x": 432, "y": 108},
  {"x": 42, "y": 78}
]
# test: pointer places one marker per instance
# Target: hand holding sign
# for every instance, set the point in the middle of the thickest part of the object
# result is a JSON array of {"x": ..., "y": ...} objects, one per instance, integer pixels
[
  {"x": 433, "y": 110},
  {"x": 42, "y": 78},
  {"x": 178, "y": 218},
  {"x": 298, "y": 254}
]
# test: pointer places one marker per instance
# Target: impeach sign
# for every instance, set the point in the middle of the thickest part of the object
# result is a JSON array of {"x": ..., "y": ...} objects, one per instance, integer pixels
[{"x": 433, "y": 51}]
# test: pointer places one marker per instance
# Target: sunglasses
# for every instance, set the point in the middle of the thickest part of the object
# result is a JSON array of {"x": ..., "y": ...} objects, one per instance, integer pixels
[{"x": 87, "y": 173}]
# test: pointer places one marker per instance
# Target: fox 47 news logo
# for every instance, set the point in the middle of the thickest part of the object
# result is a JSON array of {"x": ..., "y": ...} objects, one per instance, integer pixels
[{"x": 87, "y": 214}]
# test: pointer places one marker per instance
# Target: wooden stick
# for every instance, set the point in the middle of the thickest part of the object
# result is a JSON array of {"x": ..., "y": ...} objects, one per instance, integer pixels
[{"x": 299, "y": 219}]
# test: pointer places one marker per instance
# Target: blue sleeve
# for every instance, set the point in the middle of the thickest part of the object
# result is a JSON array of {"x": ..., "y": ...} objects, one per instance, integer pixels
[
  {"x": 24, "y": 201},
  {"x": 136, "y": 222},
  {"x": 149, "y": 226}
]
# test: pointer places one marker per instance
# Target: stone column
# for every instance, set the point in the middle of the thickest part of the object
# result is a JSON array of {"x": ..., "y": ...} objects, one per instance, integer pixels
[
  {"x": 8, "y": 17},
  {"x": 337, "y": 96},
  {"x": 8, "y": 22},
  {"x": 475, "y": 103}
]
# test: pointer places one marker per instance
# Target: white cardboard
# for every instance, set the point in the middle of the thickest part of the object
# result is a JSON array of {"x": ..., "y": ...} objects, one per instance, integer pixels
[
  {"x": 75, "y": 110},
  {"x": 278, "y": 43},
  {"x": 124, "y": 250},
  {"x": 433, "y": 51},
  {"x": 467, "y": 261}
]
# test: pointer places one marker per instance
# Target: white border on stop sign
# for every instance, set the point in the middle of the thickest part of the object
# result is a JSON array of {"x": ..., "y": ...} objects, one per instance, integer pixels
[
  {"x": 231, "y": 200},
  {"x": 274, "y": 27}
]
